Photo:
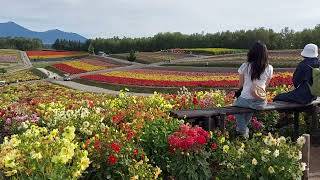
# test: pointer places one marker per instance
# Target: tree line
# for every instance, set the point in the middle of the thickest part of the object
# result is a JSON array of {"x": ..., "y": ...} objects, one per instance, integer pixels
[
  {"x": 20, "y": 43},
  {"x": 242, "y": 39}
]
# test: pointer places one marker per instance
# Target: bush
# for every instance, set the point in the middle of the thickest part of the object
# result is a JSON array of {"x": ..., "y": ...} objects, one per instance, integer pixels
[
  {"x": 3, "y": 70},
  {"x": 132, "y": 56}
]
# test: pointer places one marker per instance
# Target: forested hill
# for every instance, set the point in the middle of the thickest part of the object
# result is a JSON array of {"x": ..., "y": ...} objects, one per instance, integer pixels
[{"x": 11, "y": 29}]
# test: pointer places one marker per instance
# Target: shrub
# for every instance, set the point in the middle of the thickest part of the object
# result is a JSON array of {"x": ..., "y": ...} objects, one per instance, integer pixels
[
  {"x": 154, "y": 141},
  {"x": 132, "y": 56}
]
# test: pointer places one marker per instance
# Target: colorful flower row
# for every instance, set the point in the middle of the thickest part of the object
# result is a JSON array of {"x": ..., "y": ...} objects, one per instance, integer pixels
[
  {"x": 158, "y": 78},
  {"x": 54, "y": 54},
  {"x": 83, "y": 65}
]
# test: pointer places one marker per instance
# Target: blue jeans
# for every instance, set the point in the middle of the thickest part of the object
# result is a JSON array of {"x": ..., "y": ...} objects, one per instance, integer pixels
[{"x": 244, "y": 119}]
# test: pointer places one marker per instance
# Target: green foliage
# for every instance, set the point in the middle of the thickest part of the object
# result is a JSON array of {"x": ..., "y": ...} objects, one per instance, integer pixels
[
  {"x": 132, "y": 56},
  {"x": 191, "y": 166},
  {"x": 3, "y": 70},
  {"x": 91, "y": 49},
  {"x": 63, "y": 44},
  {"x": 154, "y": 141},
  {"x": 20, "y": 43}
]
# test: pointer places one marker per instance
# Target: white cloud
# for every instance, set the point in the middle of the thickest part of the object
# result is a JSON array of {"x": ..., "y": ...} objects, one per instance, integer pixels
[{"x": 107, "y": 18}]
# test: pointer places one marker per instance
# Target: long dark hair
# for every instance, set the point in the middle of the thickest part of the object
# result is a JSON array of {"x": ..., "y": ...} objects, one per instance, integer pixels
[{"x": 258, "y": 58}]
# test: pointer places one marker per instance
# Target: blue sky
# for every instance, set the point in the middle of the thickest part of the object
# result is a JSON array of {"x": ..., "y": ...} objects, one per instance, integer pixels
[{"x": 136, "y": 18}]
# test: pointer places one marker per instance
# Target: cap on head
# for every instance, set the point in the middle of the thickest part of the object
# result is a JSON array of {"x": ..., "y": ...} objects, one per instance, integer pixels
[{"x": 310, "y": 51}]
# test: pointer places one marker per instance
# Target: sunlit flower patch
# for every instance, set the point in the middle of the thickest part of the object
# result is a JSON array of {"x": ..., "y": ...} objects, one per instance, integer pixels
[
  {"x": 83, "y": 65},
  {"x": 159, "y": 78},
  {"x": 54, "y": 54}
]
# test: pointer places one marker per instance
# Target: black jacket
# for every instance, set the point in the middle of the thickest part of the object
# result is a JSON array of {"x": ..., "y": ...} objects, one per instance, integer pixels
[{"x": 301, "y": 77}]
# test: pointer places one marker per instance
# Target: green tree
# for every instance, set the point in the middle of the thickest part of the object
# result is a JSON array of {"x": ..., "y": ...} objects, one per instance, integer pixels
[
  {"x": 132, "y": 56},
  {"x": 91, "y": 49}
]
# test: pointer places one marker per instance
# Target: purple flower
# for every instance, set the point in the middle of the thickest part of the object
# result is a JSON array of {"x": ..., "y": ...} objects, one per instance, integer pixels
[{"x": 8, "y": 121}]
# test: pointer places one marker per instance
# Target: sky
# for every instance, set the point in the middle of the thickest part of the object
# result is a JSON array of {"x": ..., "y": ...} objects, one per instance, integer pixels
[{"x": 140, "y": 18}]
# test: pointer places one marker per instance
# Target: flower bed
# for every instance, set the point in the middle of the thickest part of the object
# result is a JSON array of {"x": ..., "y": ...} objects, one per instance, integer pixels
[
  {"x": 54, "y": 55},
  {"x": 9, "y": 56},
  {"x": 94, "y": 136},
  {"x": 83, "y": 65},
  {"x": 158, "y": 78},
  {"x": 25, "y": 75}
]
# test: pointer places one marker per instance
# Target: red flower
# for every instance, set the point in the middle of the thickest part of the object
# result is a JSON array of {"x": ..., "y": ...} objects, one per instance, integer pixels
[
  {"x": 214, "y": 146},
  {"x": 112, "y": 160},
  {"x": 195, "y": 100},
  {"x": 231, "y": 118},
  {"x": 90, "y": 104},
  {"x": 97, "y": 144},
  {"x": 135, "y": 152},
  {"x": 201, "y": 140},
  {"x": 117, "y": 118},
  {"x": 115, "y": 147}
]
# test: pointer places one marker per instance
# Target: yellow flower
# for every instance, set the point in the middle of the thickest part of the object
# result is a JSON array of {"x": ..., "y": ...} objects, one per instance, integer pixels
[
  {"x": 35, "y": 155},
  {"x": 10, "y": 173},
  {"x": 76, "y": 174},
  {"x": 225, "y": 148},
  {"x": 157, "y": 173},
  {"x": 134, "y": 177},
  {"x": 84, "y": 163},
  {"x": 69, "y": 133},
  {"x": 222, "y": 140}
]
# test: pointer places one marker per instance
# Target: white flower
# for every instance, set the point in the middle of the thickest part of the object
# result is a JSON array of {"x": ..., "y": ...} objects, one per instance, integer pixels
[
  {"x": 86, "y": 124},
  {"x": 282, "y": 140},
  {"x": 276, "y": 153},
  {"x": 267, "y": 151},
  {"x": 301, "y": 141},
  {"x": 299, "y": 155},
  {"x": 254, "y": 161},
  {"x": 264, "y": 159},
  {"x": 271, "y": 170},
  {"x": 303, "y": 166}
]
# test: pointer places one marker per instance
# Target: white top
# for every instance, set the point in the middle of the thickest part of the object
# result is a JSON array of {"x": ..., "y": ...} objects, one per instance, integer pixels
[{"x": 245, "y": 70}]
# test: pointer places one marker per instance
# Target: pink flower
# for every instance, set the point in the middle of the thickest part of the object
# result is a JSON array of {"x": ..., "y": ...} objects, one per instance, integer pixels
[{"x": 257, "y": 125}]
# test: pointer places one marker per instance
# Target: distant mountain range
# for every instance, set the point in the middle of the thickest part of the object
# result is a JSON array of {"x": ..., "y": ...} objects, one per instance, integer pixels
[{"x": 48, "y": 37}]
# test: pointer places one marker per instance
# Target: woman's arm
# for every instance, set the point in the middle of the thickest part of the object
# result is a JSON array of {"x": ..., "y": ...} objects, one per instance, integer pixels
[
  {"x": 299, "y": 75},
  {"x": 241, "y": 80}
]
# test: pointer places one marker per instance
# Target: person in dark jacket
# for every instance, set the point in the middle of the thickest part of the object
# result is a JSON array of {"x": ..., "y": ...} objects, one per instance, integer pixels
[{"x": 302, "y": 77}]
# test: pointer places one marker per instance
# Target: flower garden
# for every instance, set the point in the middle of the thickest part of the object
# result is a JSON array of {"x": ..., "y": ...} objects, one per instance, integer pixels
[
  {"x": 20, "y": 76},
  {"x": 54, "y": 55},
  {"x": 279, "y": 59},
  {"x": 86, "y": 65},
  {"x": 9, "y": 59},
  {"x": 51, "y": 132},
  {"x": 163, "y": 78}
]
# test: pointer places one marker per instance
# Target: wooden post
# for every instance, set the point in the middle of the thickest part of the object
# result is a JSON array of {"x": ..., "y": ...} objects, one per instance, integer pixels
[
  {"x": 296, "y": 125},
  {"x": 210, "y": 121},
  {"x": 222, "y": 122},
  {"x": 306, "y": 156},
  {"x": 314, "y": 121}
]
